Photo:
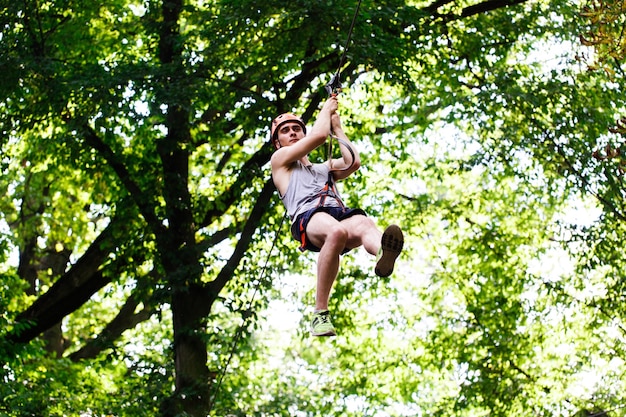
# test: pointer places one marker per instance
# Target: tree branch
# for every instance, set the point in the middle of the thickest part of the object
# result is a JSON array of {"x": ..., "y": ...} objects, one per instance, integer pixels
[
  {"x": 489, "y": 5},
  {"x": 141, "y": 199},
  {"x": 246, "y": 175},
  {"x": 125, "y": 319},
  {"x": 436, "y": 5},
  {"x": 245, "y": 238},
  {"x": 70, "y": 292}
]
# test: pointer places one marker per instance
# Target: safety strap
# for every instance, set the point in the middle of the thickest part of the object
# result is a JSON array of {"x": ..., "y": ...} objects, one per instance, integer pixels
[{"x": 329, "y": 190}]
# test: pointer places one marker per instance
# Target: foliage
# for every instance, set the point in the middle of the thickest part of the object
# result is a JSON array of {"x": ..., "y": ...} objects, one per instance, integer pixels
[
  {"x": 147, "y": 260},
  {"x": 605, "y": 33}
]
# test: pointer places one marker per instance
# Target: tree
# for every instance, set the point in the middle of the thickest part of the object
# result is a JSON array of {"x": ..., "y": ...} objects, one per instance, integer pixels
[{"x": 134, "y": 165}]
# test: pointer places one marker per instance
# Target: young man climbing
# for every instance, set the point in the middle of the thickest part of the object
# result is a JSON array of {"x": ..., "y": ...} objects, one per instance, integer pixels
[{"x": 320, "y": 220}]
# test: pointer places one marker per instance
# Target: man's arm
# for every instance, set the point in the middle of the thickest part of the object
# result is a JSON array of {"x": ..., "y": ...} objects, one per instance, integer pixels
[
  {"x": 284, "y": 157},
  {"x": 287, "y": 155}
]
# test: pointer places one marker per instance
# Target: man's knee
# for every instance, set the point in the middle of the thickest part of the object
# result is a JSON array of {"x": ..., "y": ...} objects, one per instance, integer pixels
[{"x": 338, "y": 235}]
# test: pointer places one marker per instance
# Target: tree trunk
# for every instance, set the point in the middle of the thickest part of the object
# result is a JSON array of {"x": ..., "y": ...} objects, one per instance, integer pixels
[
  {"x": 192, "y": 373},
  {"x": 177, "y": 246}
]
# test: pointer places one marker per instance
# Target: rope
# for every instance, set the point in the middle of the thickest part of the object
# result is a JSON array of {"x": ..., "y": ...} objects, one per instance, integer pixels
[
  {"x": 330, "y": 153},
  {"x": 335, "y": 83},
  {"x": 345, "y": 50},
  {"x": 245, "y": 318}
]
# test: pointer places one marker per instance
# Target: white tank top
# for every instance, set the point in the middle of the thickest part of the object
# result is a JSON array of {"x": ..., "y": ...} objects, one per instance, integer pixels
[{"x": 305, "y": 185}]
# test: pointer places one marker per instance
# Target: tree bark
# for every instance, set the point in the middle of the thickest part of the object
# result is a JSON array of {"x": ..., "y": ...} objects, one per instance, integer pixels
[{"x": 178, "y": 249}]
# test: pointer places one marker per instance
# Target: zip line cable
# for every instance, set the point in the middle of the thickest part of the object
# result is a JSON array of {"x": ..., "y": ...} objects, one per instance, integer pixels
[
  {"x": 335, "y": 83},
  {"x": 343, "y": 56},
  {"x": 334, "y": 86}
]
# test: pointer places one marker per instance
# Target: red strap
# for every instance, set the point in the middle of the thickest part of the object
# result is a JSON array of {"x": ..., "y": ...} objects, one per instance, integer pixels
[
  {"x": 329, "y": 189},
  {"x": 302, "y": 236}
]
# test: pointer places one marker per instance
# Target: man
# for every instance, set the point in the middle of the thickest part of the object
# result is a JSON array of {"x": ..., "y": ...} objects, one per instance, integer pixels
[{"x": 321, "y": 222}]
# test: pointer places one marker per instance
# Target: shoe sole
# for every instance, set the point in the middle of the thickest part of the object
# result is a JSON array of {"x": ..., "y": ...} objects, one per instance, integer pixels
[
  {"x": 330, "y": 333},
  {"x": 391, "y": 244}
]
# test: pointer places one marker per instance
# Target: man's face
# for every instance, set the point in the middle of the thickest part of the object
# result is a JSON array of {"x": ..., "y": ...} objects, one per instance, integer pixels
[{"x": 289, "y": 133}]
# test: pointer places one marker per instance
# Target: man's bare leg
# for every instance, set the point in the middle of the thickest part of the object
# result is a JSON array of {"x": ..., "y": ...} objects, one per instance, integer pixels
[
  {"x": 328, "y": 262},
  {"x": 363, "y": 231},
  {"x": 330, "y": 236},
  {"x": 386, "y": 246}
]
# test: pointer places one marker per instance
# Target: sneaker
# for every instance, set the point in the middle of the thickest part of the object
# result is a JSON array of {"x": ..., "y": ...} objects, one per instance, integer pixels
[
  {"x": 390, "y": 248},
  {"x": 321, "y": 325}
]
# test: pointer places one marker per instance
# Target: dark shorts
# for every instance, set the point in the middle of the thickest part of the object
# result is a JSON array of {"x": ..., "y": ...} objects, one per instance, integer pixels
[{"x": 298, "y": 228}]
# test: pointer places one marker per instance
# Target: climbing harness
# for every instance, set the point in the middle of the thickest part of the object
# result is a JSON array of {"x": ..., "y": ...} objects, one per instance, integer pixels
[{"x": 329, "y": 190}]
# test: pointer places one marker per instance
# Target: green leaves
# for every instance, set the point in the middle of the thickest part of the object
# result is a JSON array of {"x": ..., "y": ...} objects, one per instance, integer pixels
[{"x": 154, "y": 118}]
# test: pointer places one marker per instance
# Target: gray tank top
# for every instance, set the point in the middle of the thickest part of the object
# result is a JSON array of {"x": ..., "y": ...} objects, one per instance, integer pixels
[{"x": 305, "y": 185}]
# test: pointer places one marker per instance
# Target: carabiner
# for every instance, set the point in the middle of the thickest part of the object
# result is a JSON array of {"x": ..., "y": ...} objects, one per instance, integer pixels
[{"x": 334, "y": 86}]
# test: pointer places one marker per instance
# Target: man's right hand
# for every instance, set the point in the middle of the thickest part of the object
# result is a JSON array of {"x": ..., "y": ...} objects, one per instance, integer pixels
[{"x": 331, "y": 105}]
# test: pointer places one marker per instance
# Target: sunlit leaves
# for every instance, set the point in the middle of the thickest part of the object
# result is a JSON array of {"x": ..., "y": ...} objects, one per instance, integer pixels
[{"x": 474, "y": 139}]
